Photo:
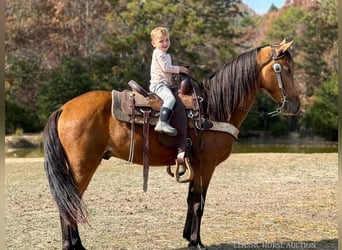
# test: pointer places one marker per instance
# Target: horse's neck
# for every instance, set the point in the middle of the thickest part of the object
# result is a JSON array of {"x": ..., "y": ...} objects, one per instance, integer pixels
[{"x": 239, "y": 115}]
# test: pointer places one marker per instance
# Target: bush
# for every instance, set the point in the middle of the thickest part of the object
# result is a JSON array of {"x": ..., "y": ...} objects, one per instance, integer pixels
[
  {"x": 277, "y": 125},
  {"x": 19, "y": 118}
]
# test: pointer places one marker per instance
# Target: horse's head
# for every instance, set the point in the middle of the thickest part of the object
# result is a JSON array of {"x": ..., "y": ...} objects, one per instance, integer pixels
[{"x": 276, "y": 76}]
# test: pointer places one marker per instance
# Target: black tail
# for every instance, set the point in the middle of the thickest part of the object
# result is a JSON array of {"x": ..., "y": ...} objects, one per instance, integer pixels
[{"x": 64, "y": 191}]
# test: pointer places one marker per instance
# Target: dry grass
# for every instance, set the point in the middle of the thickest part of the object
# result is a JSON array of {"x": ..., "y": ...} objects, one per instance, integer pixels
[{"x": 275, "y": 200}]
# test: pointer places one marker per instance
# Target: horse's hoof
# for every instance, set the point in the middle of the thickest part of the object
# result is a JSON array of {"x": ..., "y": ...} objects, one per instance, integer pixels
[{"x": 198, "y": 246}]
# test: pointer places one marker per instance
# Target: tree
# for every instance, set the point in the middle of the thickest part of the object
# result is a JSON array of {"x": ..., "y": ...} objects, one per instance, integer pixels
[
  {"x": 79, "y": 46},
  {"x": 272, "y": 8},
  {"x": 315, "y": 35},
  {"x": 53, "y": 30},
  {"x": 65, "y": 82},
  {"x": 257, "y": 119},
  {"x": 319, "y": 37},
  {"x": 321, "y": 117},
  {"x": 23, "y": 75},
  {"x": 201, "y": 35},
  {"x": 284, "y": 26}
]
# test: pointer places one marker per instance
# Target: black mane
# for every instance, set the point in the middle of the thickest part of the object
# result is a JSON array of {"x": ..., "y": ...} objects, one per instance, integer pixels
[{"x": 225, "y": 89}]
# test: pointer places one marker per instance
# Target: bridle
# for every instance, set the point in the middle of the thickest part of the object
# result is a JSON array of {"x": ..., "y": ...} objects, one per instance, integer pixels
[{"x": 277, "y": 69}]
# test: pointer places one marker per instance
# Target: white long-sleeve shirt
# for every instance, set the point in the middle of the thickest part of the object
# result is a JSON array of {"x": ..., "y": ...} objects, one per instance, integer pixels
[{"x": 162, "y": 68}]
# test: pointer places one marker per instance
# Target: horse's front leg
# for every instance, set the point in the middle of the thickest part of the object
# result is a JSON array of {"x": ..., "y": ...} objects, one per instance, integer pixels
[
  {"x": 70, "y": 237},
  {"x": 192, "y": 228}
]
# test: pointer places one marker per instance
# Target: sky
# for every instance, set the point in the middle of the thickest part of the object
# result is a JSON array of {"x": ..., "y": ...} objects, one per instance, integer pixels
[{"x": 262, "y": 6}]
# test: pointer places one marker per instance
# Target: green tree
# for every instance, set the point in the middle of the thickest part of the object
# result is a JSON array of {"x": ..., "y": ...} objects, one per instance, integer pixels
[
  {"x": 318, "y": 38},
  {"x": 315, "y": 35},
  {"x": 104, "y": 47},
  {"x": 284, "y": 26},
  {"x": 23, "y": 75},
  {"x": 321, "y": 117},
  {"x": 257, "y": 119},
  {"x": 65, "y": 82},
  {"x": 201, "y": 35},
  {"x": 272, "y": 8}
]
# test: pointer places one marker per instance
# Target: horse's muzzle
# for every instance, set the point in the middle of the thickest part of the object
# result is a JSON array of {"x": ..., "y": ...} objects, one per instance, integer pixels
[{"x": 292, "y": 108}]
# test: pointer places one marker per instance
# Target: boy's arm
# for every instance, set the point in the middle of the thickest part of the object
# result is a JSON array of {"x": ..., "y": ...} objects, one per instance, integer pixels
[{"x": 165, "y": 63}]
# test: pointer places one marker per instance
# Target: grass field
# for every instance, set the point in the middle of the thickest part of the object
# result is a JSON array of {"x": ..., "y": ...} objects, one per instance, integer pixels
[{"x": 273, "y": 200}]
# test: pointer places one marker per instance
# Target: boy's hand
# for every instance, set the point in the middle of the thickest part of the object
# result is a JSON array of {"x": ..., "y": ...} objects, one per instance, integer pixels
[{"x": 183, "y": 69}]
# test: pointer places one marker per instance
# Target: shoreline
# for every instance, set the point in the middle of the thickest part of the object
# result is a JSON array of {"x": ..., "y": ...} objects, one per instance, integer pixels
[{"x": 35, "y": 140}]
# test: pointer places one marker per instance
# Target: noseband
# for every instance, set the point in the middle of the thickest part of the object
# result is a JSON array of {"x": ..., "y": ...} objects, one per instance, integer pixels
[{"x": 277, "y": 69}]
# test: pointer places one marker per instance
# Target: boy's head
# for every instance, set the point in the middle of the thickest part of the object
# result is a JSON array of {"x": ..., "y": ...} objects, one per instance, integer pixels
[
  {"x": 160, "y": 38},
  {"x": 159, "y": 31}
]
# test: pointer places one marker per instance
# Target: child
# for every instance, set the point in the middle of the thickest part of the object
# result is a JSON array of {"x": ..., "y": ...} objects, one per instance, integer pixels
[{"x": 161, "y": 78}]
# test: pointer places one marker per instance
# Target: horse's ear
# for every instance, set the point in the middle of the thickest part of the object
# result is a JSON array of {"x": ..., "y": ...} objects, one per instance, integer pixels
[
  {"x": 283, "y": 46},
  {"x": 283, "y": 42}
]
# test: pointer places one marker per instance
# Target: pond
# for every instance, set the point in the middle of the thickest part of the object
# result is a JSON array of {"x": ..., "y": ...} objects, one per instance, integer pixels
[
  {"x": 285, "y": 148},
  {"x": 238, "y": 148}
]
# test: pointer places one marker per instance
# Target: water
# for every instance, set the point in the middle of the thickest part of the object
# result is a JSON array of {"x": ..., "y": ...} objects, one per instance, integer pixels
[
  {"x": 238, "y": 148},
  {"x": 285, "y": 148},
  {"x": 25, "y": 153}
]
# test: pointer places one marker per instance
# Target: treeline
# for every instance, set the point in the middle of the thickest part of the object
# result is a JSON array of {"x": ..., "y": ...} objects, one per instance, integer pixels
[{"x": 56, "y": 50}]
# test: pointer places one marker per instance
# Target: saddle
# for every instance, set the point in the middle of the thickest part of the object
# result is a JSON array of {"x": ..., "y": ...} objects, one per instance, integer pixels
[
  {"x": 131, "y": 104},
  {"x": 141, "y": 107}
]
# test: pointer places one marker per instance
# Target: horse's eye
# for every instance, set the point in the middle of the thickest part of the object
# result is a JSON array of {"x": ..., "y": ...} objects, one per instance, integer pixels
[{"x": 287, "y": 69}]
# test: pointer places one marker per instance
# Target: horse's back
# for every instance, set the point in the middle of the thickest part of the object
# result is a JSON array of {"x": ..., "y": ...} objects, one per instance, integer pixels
[
  {"x": 89, "y": 100},
  {"x": 87, "y": 110}
]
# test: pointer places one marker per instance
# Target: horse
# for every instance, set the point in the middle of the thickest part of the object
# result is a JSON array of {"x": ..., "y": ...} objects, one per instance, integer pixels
[{"x": 82, "y": 132}]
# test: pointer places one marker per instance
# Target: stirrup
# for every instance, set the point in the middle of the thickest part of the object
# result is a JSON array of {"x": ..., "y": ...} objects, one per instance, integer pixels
[{"x": 190, "y": 171}]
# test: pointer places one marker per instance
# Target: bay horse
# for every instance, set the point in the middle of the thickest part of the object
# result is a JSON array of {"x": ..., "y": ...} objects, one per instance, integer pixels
[{"x": 82, "y": 131}]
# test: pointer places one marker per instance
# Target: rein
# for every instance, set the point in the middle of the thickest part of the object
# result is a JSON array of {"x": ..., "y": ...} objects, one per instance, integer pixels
[{"x": 215, "y": 125}]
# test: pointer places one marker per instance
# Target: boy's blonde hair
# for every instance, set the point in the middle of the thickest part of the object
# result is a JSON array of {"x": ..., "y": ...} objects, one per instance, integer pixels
[{"x": 159, "y": 30}]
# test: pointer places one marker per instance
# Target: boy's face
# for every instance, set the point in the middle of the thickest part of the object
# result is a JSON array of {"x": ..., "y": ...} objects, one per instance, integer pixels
[{"x": 161, "y": 42}]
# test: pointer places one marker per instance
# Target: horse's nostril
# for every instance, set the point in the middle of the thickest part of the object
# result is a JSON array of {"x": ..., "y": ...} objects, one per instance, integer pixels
[{"x": 292, "y": 107}]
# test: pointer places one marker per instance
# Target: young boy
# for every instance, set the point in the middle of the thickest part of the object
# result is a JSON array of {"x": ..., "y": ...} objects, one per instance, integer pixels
[{"x": 161, "y": 78}]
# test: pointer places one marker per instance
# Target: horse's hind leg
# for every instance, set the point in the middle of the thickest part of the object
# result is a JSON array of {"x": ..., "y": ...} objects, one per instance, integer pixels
[
  {"x": 71, "y": 158},
  {"x": 70, "y": 237}
]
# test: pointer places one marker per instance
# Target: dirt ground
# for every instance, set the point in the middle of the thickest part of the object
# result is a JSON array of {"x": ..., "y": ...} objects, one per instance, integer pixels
[{"x": 268, "y": 201}]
